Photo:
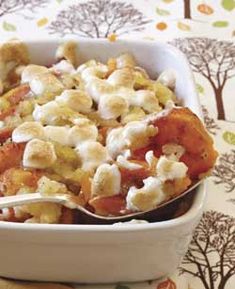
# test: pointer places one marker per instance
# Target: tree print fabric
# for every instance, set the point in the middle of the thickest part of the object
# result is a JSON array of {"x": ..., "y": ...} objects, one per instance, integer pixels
[
  {"x": 214, "y": 60},
  {"x": 215, "y": 235},
  {"x": 98, "y": 18},
  {"x": 205, "y": 31}
]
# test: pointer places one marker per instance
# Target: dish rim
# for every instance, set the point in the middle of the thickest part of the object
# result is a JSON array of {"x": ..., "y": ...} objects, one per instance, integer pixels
[{"x": 200, "y": 194}]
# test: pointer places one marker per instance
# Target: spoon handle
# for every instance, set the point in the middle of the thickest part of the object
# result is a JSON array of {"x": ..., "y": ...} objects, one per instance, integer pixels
[{"x": 17, "y": 200}]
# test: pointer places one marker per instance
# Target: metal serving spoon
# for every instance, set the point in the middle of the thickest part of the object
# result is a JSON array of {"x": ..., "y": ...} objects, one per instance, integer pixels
[{"x": 67, "y": 201}]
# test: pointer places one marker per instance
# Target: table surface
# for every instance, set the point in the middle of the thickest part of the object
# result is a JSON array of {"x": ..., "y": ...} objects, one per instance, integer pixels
[{"x": 205, "y": 31}]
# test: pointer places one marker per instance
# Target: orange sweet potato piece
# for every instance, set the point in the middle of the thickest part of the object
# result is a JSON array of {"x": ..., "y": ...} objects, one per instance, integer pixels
[
  {"x": 106, "y": 206},
  {"x": 11, "y": 155},
  {"x": 183, "y": 127},
  {"x": 15, "y": 95},
  {"x": 5, "y": 133}
]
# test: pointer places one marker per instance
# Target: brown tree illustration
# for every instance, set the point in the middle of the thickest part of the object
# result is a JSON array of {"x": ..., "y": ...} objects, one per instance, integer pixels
[
  {"x": 224, "y": 171},
  {"x": 213, "y": 59},
  {"x": 12, "y": 6},
  {"x": 187, "y": 9},
  {"x": 98, "y": 18},
  {"x": 211, "y": 254},
  {"x": 210, "y": 123}
]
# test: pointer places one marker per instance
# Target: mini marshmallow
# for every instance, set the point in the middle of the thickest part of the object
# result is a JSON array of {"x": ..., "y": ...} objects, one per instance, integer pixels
[
  {"x": 39, "y": 154},
  {"x": 27, "y": 131}
]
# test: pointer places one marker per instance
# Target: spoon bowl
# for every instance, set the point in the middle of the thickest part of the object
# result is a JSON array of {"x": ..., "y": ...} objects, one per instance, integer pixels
[{"x": 86, "y": 215}]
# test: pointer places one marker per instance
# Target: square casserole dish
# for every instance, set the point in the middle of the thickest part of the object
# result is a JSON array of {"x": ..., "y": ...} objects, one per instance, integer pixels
[{"x": 105, "y": 253}]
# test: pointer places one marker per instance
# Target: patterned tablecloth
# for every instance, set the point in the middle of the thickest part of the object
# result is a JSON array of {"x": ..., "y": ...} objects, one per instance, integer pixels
[{"x": 205, "y": 31}]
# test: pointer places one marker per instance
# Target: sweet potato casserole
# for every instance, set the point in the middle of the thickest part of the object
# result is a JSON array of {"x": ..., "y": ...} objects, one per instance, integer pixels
[{"x": 106, "y": 134}]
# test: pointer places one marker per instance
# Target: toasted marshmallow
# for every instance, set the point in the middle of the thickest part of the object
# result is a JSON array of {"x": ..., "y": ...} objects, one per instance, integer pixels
[
  {"x": 133, "y": 135},
  {"x": 92, "y": 154},
  {"x": 168, "y": 78},
  {"x": 45, "y": 83},
  {"x": 122, "y": 77},
  {"x": 31, "y": 71},
  {"x": 46, "y": 113},
  {"x": 112, "y": 106},
  {"x": 63, "y": 67},
  {"x": 89, "y": 63},
  {"x": 39, "y": 154},
  {"x": 82, "y": 132},
  {"x": 51, "y": 113},
  {"x": 67, "y": 51},
  {"x": 125, "y": 60},
  {"x": 27, "y": 131},
  {"x": 124, "y": 163},
  {"x": 59, "y": 134},
  {"x": 115, "y": 143},
  {"x": 106, "y": 181},
  {"x": 147, "y": 197},
  {"x": 147, "y": 100},
  {"x": 77, "y": 100},
  {"x": 90, "y": 73},
  {"x": 137, "y": 134},
  {"x": 169, "y": 170},
  {"x": 98, "y": 87}
]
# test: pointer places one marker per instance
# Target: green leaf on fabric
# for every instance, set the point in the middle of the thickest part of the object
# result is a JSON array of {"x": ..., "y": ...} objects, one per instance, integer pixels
[
  {"x": 200, "y": 88},
  {"x": 229, "y": 137},
  {"x": 228, "y": 4},
  {"x": 183, "y": 27},
  {"x": 220, "y": 24},
  {"x": 119, "y": 286},
  {"x": 8, "y": 26},
  {"x": 162, "y": 12},
  {"x": 59, "y": 1}
]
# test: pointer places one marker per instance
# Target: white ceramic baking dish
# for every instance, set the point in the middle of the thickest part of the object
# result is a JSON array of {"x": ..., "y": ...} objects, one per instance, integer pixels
[{"x": 105, "y": 253}]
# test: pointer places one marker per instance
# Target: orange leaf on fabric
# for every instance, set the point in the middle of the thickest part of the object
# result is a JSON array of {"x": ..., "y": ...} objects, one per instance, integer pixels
[
  {"x": 167, "y": 284},
  {"x": 41, "y": 22},
  {"x": 112, "y": 37},
  {"x": 161, "y": 26},
  {"x": 205, "y": 9},
  {"x": 167, "y": 1},
  {"x": 184, "y": 27}
]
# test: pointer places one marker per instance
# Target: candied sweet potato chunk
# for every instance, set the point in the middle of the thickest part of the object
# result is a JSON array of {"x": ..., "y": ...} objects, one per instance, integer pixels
[
  {"x": 183, "y": 127},
  {"x": 11, "y": 155},
  {"x": 108, "y": 205}
]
